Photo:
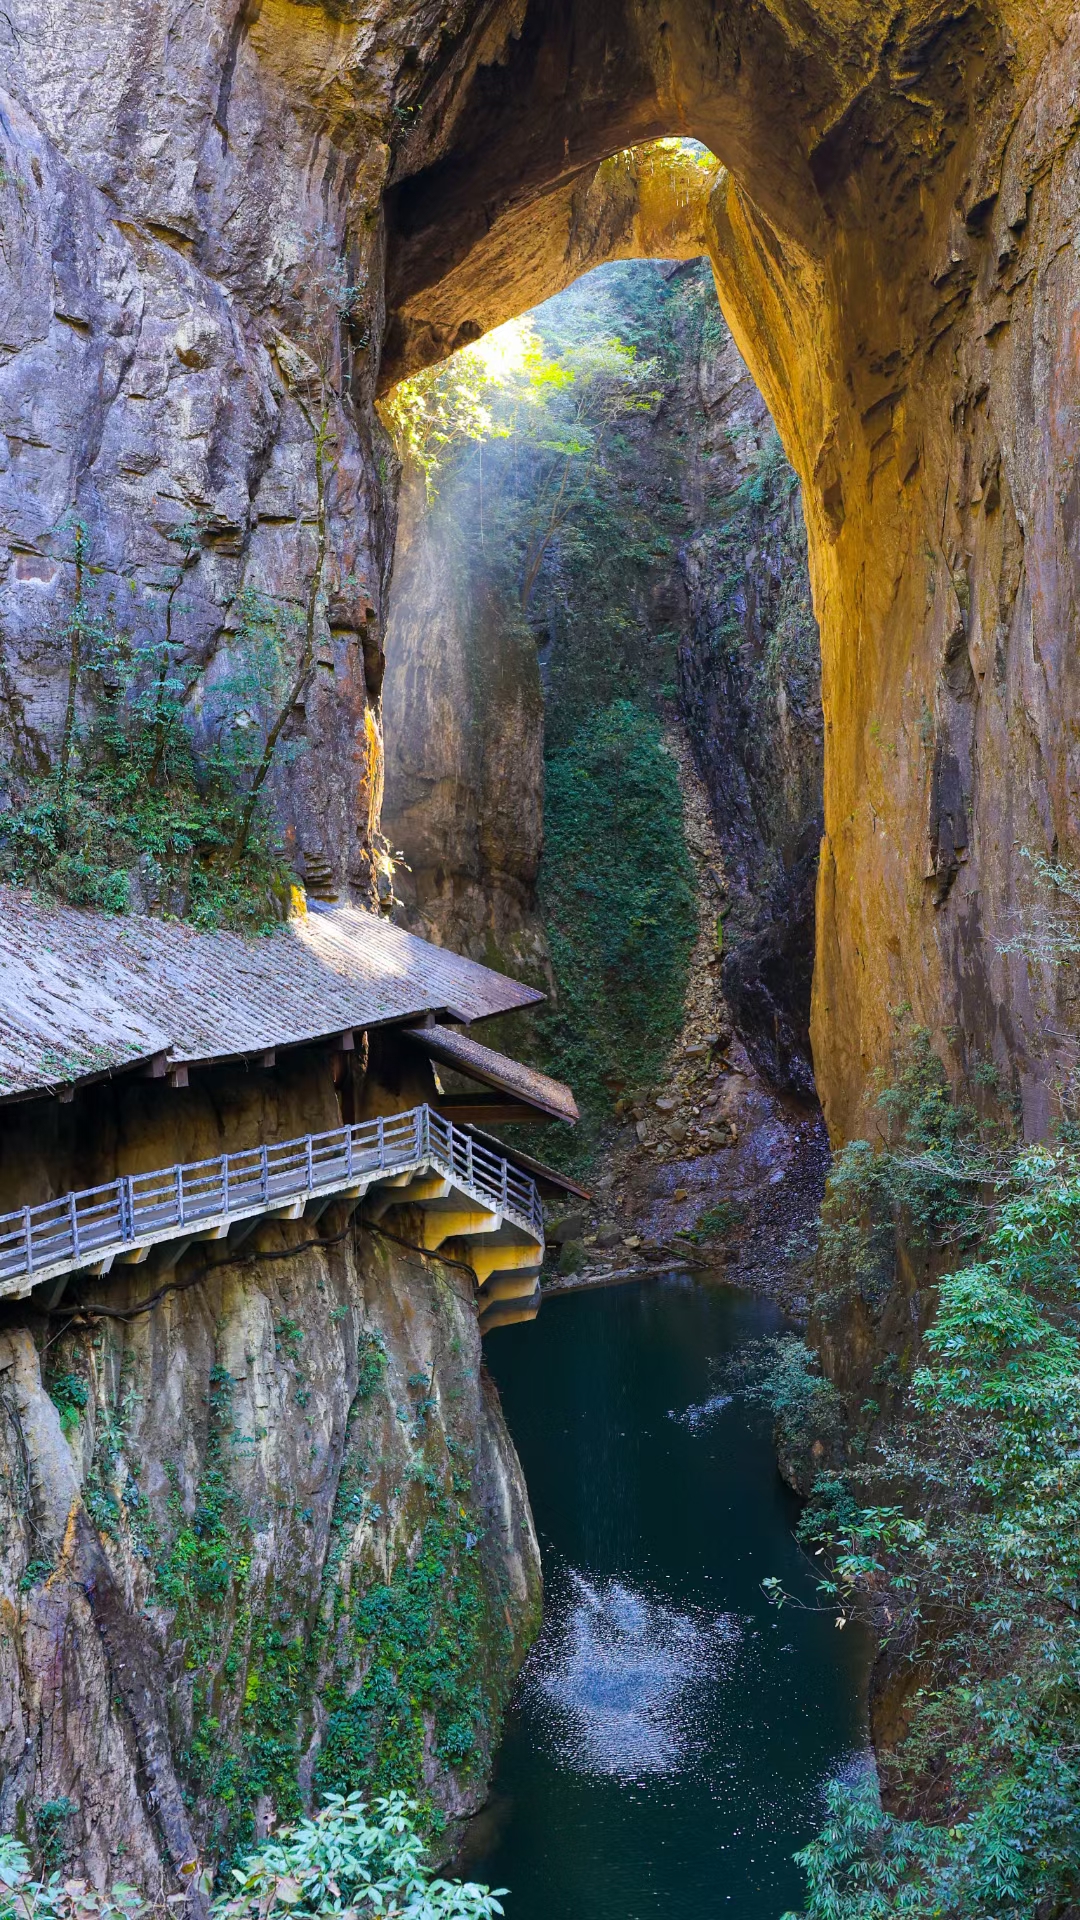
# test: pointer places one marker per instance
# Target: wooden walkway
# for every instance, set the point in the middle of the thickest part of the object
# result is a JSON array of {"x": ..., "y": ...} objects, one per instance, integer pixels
[{"x": 487, "y": 1209}]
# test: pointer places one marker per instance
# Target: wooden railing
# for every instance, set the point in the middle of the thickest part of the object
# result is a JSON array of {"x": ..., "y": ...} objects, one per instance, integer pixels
[{"x": 85, "y": 1228}]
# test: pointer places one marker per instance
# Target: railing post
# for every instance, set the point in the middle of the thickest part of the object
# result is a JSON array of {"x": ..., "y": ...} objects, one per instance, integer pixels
[
  {"x": 348, "y": 1153},
  {"x": 73, "y": 1217},
  {"x": 179, "y": 1196},
  {"x": 224, "y": 1183},
  {"x": 309, "y": 1161},
  {"x": 505, "y": 1184},
  {"x": 129, "y": 1192},
  {"x": 28, "y": 1230},
  {"x": 264, "y": 1172},
  {"x": 469, "y": 1159},
  {"x": 380, "y": 1135}
]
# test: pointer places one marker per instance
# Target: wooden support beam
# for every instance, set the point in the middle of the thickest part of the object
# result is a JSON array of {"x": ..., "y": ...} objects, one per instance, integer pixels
[
  {"x": 317, "y": 1207},
  {"x": 507, "y": 1287},
  {"x": 457, "y": 1224},
  {"x": 51, "y": 1296},
  {"x": 242, "y": 1230},
  {"x": 485, "y": 1261},
  {"x": 487, "y": 1110}
]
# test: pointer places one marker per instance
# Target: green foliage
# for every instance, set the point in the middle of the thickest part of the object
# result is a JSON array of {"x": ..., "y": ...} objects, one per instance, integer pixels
[
  {"x": 782, "y": 1374},
  {"x": 958, "y": 1537},
  {"x": 557, "y": 408},
  {"x": 353, "y": 1858},
  {"x": 34, "y": 1572},
  {"x": 51, "y": 1820},
  {"x": 25, "y": 1897},
  {"x": 210, "y": 1548},
  {"x": 429, "y": 1643},
  {"x": 617, "y": 888},
  {"x": 714, "y": 1223},
  {"x": 69, "y": 1394},
  {"x": 864, "y": 1865},
  {"x": 371, "y": 1365},
  {"x": 927, "y": 1179},
  {"x": 135, "y": 809}
]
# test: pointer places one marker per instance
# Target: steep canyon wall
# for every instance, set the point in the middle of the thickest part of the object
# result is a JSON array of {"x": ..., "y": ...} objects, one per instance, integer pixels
[
  {"x": 464, "y": 719},
  {"x": 679, "y": 581},
  {"x": 265, "y": 1541},
  {"x": 210, "y": 234}
]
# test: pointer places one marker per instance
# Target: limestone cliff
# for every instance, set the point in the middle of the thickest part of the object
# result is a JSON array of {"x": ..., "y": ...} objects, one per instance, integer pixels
[
  {"x": 263, "y": 1533},
  {"x": 266, "y": 1539},
  {"x": 893, "y": 248},
  {"x": 464, "y": 729}
]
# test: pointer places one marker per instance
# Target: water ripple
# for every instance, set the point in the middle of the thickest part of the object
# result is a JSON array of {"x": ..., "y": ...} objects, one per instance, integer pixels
[
  {"x": 700, "y": 1416},
  {"x": 617, "y": 1677}
]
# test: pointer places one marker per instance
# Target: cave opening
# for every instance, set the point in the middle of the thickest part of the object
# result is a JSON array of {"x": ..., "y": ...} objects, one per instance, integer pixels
[{"x": 602, "y": 717}]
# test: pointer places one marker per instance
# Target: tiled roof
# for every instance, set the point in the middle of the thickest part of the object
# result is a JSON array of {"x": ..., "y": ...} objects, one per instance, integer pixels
[
  {"x": 83, "y": 993},
  {"x": 493, "y": 1069}
]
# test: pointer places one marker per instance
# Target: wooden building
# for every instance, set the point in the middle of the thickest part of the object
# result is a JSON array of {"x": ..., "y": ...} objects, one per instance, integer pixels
[{"x": 162, "y": 1089}]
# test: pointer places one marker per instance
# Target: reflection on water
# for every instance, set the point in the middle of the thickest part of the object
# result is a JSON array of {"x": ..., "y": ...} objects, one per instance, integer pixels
[
  {"x": 700, "y": 1416},
  {"x": 671, "y": 1735},
  {"x": 614, "y": 1668}
]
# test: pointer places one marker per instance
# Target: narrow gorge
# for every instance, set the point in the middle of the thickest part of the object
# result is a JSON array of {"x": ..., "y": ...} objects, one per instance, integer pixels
[{"x": 537, "y": 729}]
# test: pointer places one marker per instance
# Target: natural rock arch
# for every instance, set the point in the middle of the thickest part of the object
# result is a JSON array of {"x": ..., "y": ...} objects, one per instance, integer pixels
[
  {"x": 893, "y": 245},
  {"x": 894, "y": 250}
]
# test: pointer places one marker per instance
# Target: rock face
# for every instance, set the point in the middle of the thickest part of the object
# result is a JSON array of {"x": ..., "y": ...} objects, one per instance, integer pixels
[
  {"x": 464, "y": 722},
  {"x": 181, "y": 339},
  {"x": 267, "y": 1540},
  {"x": 263, "y": 1533},
  {"x": 750, "y": 696}
]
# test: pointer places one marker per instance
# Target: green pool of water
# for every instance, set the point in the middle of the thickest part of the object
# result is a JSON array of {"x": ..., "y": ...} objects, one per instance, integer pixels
[{"x": 671, "y": 1734}]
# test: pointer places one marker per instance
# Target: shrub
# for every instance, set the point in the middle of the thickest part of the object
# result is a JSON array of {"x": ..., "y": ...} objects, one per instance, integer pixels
[
  {"x": 968, "y": 1565},
  {"x": 351, "y": 1857},
  {"x": 782, "y": 1374},
  {"x": 138, "y": 811},
  {"x": 617, "y": 887},
  {"x": 926, "y": 1181},
  {"x": 22, "y": 1897},
  {"x": 356, "y": 1858}
]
